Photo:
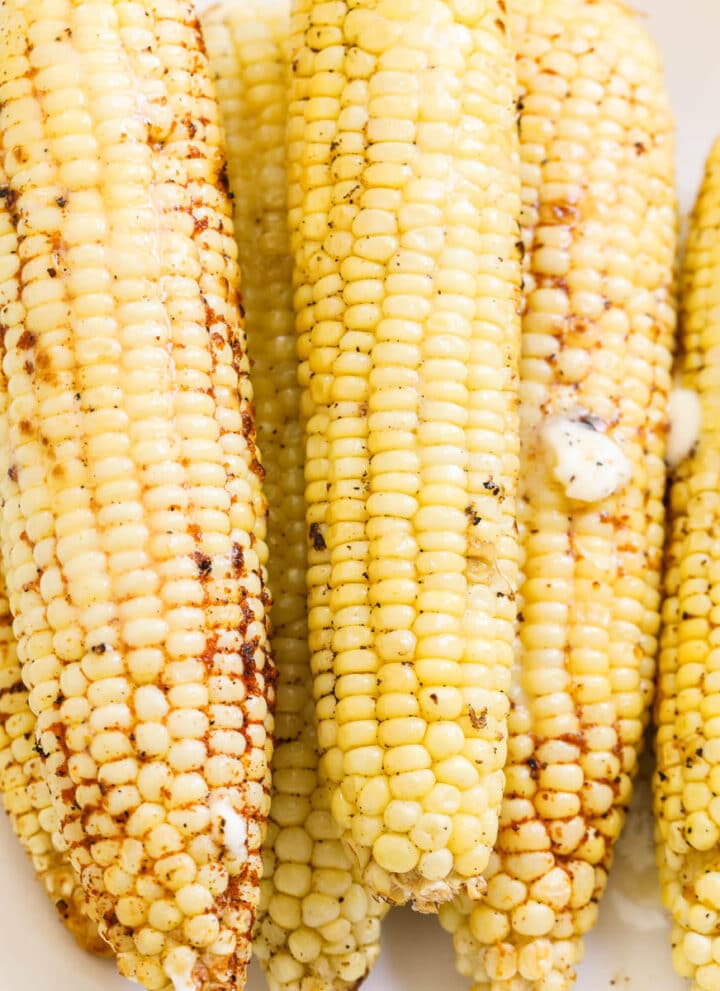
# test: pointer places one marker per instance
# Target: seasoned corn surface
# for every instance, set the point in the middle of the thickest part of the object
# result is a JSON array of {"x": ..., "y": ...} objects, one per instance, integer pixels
[
  {"x": 318, "y": 927},
  {"x": 133, "y": 516},
  {"x": 688, "y": 756},
  {"x": 599, "y": 235},
  {"x": 404, "y": 212}
]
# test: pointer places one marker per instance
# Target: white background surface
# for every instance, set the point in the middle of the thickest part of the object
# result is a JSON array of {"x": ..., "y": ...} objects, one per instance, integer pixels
[{"x": 628, "y": 951}]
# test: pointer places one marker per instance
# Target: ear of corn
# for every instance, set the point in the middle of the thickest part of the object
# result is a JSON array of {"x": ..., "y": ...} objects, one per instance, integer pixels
[
  {"x": 599, "y": 233},
  {"x": 403, "y": 212},
  {"x": 133, "y": 515},
  {"x": 688, "y": 756},
  {"x": 317, "y": 926}
]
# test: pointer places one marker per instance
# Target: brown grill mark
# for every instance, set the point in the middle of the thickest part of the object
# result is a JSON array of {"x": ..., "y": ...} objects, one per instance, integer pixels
[{"x": 316, "y": 537}]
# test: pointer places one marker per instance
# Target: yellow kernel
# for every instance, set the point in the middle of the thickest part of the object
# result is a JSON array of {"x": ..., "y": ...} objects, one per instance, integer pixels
[
  {"x": 436, "y": 865},
  {"x": 533, "y": 919},
  {"x": 432, "y": 831},
  {"x": 193, "y": 899},
  {"x": 395, "y": 853},
  {"x": 401, "y": 816},
  {"x": 318, "y": 910},
  {"x": 305, "y": 945}
]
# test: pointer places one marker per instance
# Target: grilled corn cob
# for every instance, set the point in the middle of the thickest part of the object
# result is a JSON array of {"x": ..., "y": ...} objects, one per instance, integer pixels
[
  {"x": 133, "y": 516},
  {"x": 688, "y": 757},
  {"x": 317, "y": 927},
  {"x": 404, "y": 205},
  {"x": 599, "y": 234}
]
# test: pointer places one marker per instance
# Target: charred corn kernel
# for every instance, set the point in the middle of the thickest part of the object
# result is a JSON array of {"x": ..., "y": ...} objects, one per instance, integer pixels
[
  {"x": 688, "y": 756},
  {"x": 309, "y": 927},
  {"x": 599, "y": 234},
  {"x": 133, "y": 517},
  {"x": 404, "y": 206}
]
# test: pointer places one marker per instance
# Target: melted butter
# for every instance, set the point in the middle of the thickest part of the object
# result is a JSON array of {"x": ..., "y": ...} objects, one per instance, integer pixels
[
  {"x": 179, "y": 965},
  {"x": 588, "y": 464},
  {"x": 234, "y": 828}
]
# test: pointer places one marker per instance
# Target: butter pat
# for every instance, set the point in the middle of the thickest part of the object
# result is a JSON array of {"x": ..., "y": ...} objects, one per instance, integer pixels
[
  {"x": 685, "y": 413},
  {"x": 234, "y": 829},
  {"x": 588, "y": 464},
  {"x": 179, "y": 964}
]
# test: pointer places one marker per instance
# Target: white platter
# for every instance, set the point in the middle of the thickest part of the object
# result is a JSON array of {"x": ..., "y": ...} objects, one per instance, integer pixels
[{"x": 628, "y": 951}]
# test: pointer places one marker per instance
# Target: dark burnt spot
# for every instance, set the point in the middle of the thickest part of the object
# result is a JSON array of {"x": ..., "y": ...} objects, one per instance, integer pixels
[
  {"x": 640, "y": 148},
  {"x": 246, "y": 609},
  {"x": 25, "y": 427},
  {"x": 26, "y": 341},
  {"x": 10, "y": 197},
  {"x": 316, "y": 537},
  {"x": 534, "y": 767},
  {"x": 478, "y": 720},
  {"x": 39, "y": 750},
  {"x": 63, "y": 909},
  {"x": 201, "y": 224},
  {"x": 257, "y": 469},
  {"x": 99, "y": 648},
  {"x": 61, "y": 201},
  {"x": 13, "y": 473},
  {"x": 204, "y": 564},
  {"x": 195, "y": 152},
  {"x": 18, "y": 686},
  {"x": 237, "y": 558},
  {"x": 248, "y": 427},
  {"x": 472, "y": 515},
  {"x": 52, "y": 272},
  {"x": 29, "y": 367},
  {"x": 247, "y": 652}
]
